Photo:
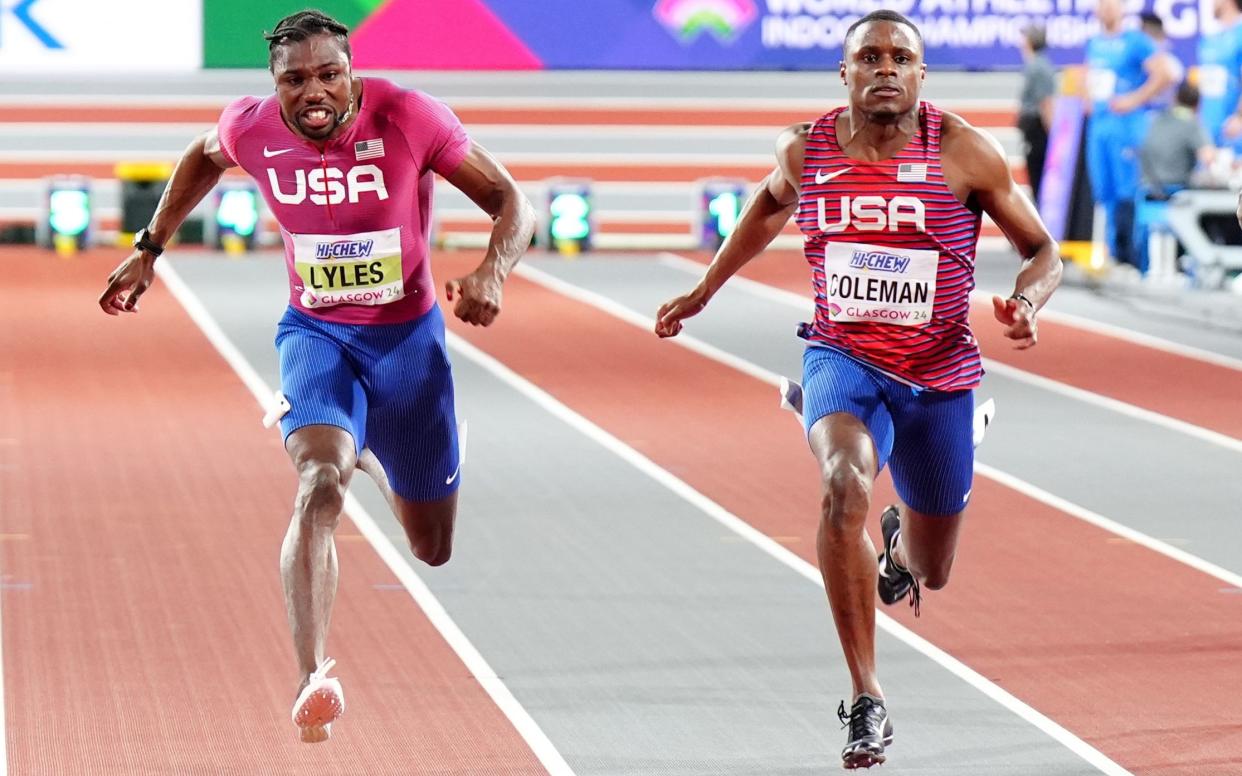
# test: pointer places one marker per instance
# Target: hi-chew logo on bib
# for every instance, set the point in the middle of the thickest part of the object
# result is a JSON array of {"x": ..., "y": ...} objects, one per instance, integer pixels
[
  {"x": 363, "y": 268},
  {"x": 879, "y": 285}
]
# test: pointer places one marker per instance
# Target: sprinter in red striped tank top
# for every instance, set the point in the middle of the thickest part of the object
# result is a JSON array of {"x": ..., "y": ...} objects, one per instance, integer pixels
[{"x": 888, "y": 192}]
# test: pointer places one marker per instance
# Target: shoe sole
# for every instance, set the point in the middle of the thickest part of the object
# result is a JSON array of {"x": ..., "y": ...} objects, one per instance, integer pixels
[
  {"x": 316, "y": 714},
  {"x": 865, "y": 758}
]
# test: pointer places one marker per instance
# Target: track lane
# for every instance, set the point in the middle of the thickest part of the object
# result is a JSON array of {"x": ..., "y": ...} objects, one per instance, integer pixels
[
  {"x": 687, "y": 654},
  {"x": 142, "y": 507},
  {"x": 1090, "y": 593},
  {"x": 1188, "y": 389}
]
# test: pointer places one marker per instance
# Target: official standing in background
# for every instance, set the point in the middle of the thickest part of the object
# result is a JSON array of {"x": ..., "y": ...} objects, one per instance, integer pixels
[{"x": 1039, "y": 84}]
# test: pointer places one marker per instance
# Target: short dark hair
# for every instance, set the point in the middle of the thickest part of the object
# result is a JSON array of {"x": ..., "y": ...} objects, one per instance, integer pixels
[
  {"x": 1188, "y": 95},
  {"x": 882, "y": 15},
  {"x": 1037, "y": 37},
  {"x": 299, "y": 26},
  {"x": 1149, "y": 19}
]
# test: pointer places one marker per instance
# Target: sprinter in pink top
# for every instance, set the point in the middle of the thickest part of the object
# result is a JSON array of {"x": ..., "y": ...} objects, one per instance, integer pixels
[
  {"x": 347, "y": 165},
  {"x": 354, "y": 210}
]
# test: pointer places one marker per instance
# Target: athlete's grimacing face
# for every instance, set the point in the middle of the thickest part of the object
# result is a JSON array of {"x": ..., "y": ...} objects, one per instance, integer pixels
[
  {"x": 313, "y": 82},
  {"x": 883, "y": 68}
]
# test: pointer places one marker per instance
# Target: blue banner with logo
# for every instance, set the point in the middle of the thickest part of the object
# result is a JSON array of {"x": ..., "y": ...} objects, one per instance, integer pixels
[{"x": 801, "y": 34}]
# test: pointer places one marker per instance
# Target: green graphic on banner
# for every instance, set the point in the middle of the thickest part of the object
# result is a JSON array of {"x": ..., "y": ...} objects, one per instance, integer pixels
[{"x": 233, "y": 29}]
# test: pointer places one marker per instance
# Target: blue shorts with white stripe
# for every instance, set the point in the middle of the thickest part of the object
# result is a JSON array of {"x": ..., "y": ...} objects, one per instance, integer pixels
[
  {"x": 390, "y": 385},
  {"x": 925, "y": 436}
]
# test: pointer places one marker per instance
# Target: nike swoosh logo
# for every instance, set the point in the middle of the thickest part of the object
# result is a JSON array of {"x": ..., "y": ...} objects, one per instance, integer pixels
[
  {"x": 269, "y": 154},
  {"x": 461, "y": 451},
  {"x": 821, "y": 178}
]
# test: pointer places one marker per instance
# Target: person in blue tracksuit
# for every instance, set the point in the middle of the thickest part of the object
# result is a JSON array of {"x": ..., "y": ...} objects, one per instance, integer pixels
[
  {"x": 1125, "y": 72},
  {"x": 1220, "y": 77}
]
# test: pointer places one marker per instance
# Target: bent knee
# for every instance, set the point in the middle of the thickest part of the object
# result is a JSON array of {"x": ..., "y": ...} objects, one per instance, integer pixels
[
  {"x": 433, "y": 556},
  {"x": 846, "y": 495},
  {"x": 321, "y": 492},
  {"x": 933, "y": 576},
  {"x": 433, "y": 547}
]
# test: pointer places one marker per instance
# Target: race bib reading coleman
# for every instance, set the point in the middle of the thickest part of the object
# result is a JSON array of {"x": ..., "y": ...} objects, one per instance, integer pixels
[
  {"x": 880, "y": 285},
  {"x": 363, "y": 268}
]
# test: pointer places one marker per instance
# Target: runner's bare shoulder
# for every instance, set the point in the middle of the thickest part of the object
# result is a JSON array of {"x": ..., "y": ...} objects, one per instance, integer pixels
[
  {"x": 791, "y": 149},
  {"x": 970, "y": 150}
]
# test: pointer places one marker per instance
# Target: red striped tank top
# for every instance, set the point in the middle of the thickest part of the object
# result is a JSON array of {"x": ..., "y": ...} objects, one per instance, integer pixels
[{"x": 892, "y": 255}]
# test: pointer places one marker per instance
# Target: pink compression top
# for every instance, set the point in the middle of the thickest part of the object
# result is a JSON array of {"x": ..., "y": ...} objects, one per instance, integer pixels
[{"x": 355, "y": 217}]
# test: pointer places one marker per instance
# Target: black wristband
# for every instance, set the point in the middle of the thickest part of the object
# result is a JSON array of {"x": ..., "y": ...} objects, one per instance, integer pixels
[
  {"x": 142, "y": 241},
  {"x": 1022, "y": 297}
]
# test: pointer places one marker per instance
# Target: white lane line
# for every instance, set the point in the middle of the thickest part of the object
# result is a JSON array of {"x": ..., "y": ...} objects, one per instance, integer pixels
[
  {"x": 1056, "y": 316},
  {"x": 1108, "y": 524},
  {"x": 1139, "y": 338},
  {"x": 776, "y": 550},
  {"x": 525, "y": 725},
  {"x": 804, "y": 304},
  {"x": 710, "y": 351},
  {"x": 1120, "y": 407},
  {"x": 628, "y": 315}
]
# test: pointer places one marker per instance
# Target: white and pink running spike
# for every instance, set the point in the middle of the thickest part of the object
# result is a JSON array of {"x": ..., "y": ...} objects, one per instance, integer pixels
[{"x": 320, "y": 703}]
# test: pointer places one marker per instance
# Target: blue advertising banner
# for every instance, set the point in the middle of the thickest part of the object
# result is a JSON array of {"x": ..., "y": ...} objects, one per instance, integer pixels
[{"x": 807, "y": 34}]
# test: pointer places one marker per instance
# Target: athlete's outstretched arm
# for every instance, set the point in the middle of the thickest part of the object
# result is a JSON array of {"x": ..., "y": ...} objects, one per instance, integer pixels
[
  {"x": 490, "y": 186},
  {"x": 196, "y": 174},
  {"x": 975, "y": 159},
  {"x": 764, "y": 215}
]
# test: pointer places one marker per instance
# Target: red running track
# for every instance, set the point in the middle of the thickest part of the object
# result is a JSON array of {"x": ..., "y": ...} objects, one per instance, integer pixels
[
  {"x": 1188, "y": 389},
  {"x": 1130, "y": 650},
  {"x": 142, "y": 508}
]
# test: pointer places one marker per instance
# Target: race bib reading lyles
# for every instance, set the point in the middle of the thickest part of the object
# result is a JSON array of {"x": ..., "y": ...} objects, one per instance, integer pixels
[
  {"x": 880, "y": 285},
  {"x": 362, "y": 268}
]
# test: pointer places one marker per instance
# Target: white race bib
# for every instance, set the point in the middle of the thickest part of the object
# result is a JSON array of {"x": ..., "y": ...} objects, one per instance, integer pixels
[
  {"x": 1101, "y": 84},
  {"x": 880, "y": 285},
  {"x": 1213, "y": 80},
  {"x": 362, "y": 268}
]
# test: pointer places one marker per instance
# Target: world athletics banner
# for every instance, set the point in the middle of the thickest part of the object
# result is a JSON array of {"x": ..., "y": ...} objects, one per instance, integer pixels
[{"x": 672, "y": 34}]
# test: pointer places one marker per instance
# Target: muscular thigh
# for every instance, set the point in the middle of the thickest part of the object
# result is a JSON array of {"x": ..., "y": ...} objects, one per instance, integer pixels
[
  {"x": 933, "y": 457},
  {"x": 318, "y": 379},
  {"x": 411, "y": 421},
  {"x": 834, "y": 383}
]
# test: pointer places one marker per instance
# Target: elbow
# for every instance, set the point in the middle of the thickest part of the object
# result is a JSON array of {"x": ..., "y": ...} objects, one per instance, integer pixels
[
  {"x": 505, "y": 197},
  {"x": 1056, "y": 266},
  {"x": 512, "y": 205},
  {"x": 527, "y": 217}
]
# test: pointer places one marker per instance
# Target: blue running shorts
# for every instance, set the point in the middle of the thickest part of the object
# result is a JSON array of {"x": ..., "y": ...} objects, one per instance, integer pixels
[
  {"x": 927, "y": 437},
  {"x": 390, "y": 385}
]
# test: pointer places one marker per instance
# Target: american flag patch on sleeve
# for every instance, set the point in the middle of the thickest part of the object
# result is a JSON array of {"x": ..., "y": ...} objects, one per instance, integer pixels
[
  {"x": 374, "y": 149},
  {"x": 909, "y": 173}
]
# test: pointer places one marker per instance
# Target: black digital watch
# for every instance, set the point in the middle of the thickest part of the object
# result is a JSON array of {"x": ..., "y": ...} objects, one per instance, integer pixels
[{"x": 143, "y": 242}]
